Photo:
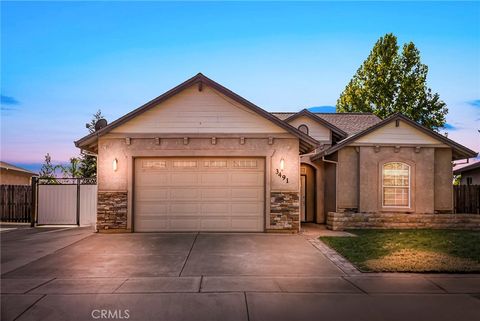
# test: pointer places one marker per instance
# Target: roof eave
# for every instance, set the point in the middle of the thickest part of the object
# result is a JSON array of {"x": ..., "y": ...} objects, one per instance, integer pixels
[
  {"x": 200, "y": 78},
  {"x": 459, "y": 151}
]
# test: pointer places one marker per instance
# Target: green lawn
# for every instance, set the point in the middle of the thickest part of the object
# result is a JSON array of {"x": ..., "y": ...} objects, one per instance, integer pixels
[{"x": 410, "y": 250}]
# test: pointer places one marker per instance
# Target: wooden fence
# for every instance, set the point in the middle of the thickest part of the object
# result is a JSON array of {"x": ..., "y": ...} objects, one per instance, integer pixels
[
  {"x": 467, "y": 199},
  {"x": 15, "y": 203}
]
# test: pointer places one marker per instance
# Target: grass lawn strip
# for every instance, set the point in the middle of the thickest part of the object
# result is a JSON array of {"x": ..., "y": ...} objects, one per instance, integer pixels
[{"x": 410, "y": 250}]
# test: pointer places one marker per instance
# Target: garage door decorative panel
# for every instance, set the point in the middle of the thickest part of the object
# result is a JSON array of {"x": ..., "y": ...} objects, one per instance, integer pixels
[{"x": 199, "y": 194}]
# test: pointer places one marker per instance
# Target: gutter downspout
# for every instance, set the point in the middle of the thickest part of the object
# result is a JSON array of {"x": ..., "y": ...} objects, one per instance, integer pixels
[{"x": 336, "y": 179}]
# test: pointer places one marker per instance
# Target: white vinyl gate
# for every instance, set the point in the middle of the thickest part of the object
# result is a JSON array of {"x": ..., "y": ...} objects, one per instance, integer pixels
[{"x": 66, "y": 204}]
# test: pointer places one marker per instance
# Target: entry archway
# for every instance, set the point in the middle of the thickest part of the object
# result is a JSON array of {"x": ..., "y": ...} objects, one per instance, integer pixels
[{"x": 307, "y": 193}]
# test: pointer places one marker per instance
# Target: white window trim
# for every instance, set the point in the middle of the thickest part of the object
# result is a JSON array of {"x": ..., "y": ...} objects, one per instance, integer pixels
[{"x": 409, "y": 186}]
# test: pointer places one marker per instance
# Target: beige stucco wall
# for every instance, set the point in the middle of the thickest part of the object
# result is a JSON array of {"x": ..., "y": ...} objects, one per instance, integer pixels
[
  {"x": 422, "y": 178},
  {"x": 110, "y": 148},
  {"x": 330, "y": 188},
  {"x": 443, "y": 180},
  {"x": 348, "y": 178},
  {"x": 315, "y": 130},
  {"x": 9, "y": 177},
  {"x": 404, "y": 133}
]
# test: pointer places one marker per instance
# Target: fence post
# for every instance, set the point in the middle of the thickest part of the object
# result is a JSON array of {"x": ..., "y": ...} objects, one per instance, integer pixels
[
  {"x": 78, "y": 201},
  {"x": 33, "y": 210}
]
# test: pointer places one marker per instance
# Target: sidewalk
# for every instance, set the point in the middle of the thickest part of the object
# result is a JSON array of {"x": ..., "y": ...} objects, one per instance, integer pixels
[{"x": 399, "y": 297}]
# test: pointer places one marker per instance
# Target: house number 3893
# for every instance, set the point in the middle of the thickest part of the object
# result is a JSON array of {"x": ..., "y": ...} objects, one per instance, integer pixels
[{"x": 282, "y": 176}]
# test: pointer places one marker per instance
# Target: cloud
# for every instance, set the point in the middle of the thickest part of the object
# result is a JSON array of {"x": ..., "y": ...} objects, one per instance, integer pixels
[
  {"x": 8, "y": 103},
  {"x": 450, "y": 127},
  {"x": 323, "y": 109},
  {"x": 8, "y": 100},
  {"x": 474, "y": 103}
]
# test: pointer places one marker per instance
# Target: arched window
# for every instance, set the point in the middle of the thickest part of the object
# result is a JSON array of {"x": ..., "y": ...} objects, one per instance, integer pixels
[
  {"x": 303, "y": 128},
  {"x": 396, "y": 184}
]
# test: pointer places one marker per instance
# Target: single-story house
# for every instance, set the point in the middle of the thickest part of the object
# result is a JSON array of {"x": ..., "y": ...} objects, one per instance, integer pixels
[
  {"x": 201, "y": 158},
  {"x": 14, "y": 175},
  {"x": 470, "y": 174}
]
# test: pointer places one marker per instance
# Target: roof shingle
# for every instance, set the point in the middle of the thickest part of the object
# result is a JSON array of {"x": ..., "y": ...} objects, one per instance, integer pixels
[{"x": 351, "y": 123}]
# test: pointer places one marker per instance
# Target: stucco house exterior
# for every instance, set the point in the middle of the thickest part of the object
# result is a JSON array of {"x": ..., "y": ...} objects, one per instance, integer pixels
[
  {"x": 14, "y": 175},
  {"x": 202, "y": 158}
]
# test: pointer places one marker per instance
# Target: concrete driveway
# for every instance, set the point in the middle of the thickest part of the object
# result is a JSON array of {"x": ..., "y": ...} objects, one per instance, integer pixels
[{"x": 190, "y": 276}]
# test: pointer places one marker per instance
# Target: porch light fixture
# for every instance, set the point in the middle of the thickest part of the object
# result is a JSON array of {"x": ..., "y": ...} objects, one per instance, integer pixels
[
  {"x": 282, "y": 164},
  {"x": 115, "y": 165}
]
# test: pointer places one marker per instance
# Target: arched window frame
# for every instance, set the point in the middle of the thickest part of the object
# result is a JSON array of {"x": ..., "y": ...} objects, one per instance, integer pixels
[
  {"x": 407, "y": 187},
  {"x": 306, "y": 131}
]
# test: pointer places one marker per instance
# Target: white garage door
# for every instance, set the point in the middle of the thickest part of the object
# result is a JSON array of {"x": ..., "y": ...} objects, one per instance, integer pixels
[{"x": 199, "y": 194}]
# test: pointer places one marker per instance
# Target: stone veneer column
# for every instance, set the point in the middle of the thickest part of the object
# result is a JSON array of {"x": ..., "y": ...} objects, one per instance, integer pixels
[
  {"x": 284, "y": 211},
  {"x": 112, "y": 211}
]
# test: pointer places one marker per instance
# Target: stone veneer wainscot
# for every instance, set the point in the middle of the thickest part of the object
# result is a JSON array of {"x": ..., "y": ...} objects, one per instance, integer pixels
[
  {"x": 348, "y": 220},
  {"x": 112, "y": 211},
  {"x": 284, "y": 211}
]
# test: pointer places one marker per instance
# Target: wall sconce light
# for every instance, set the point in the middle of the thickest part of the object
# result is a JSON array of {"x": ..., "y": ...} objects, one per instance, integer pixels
[
  {"x": 115, "y": 165},
  {"x": 282, "y": 164}
]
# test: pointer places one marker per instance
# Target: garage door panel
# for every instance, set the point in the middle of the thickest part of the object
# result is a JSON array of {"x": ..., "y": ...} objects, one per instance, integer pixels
[
  {"x": 151, "y": 225},
  {"x": 199, "y": 194},
  {"x": 214, "y": 194},
  {"x": 145, "y": 178},
  {"x": 247, "y": 179},
  {"x": 182, "y": 194},
  {"x": 184, "y": 179},
  {"x": 184, "y": 208},
  {"x": 246, "y": 208},
  {"x": 239, "y": 224},
  {"x": 215, "y": 208},
  {"x": 151, "y": 208},
  {"x": 153, "y": 194},
  {"x": 251, "y": 194},
  {"x": 212, "y": 179}
]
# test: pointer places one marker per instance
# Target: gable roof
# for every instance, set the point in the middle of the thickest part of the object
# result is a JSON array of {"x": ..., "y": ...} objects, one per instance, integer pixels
[
  {"x": 307, "y": 143},
  {"x": 467, "y": 168},
  {"x": 11, "y": 167},
  {"x": 337, "y": 132},
  {"x": 459, "y": 151},
  {"x": 350, "y": 123}
]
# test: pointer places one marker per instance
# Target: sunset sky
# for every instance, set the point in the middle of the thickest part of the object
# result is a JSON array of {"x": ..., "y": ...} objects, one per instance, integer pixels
[{"x": 61, "y": 61}]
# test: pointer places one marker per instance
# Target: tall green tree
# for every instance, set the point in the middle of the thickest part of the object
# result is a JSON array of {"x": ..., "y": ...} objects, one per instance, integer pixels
[
  {"x": 88, "y": 163},
  {"x": 390, "y": 81}
]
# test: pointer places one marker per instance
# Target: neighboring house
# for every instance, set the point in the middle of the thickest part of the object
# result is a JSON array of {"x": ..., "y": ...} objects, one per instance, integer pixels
[
  {"x": 13, "y": 175},
  {"x": 470, "y": 174},
  {"x": 202, "y": 158}
]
